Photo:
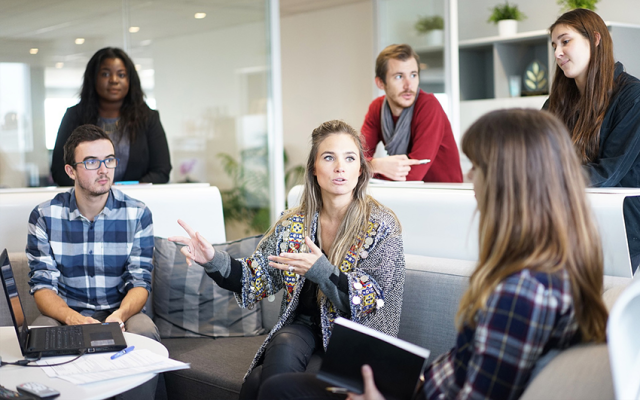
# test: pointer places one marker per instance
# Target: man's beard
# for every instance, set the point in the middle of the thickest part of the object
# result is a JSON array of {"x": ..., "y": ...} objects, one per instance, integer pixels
[
  {"x": 94, "y": 193},
  {"x": 396, "y": 101}
]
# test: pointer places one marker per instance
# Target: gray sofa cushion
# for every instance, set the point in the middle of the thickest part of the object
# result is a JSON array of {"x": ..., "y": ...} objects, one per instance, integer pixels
[
  {"x": 433, "y": 288},
  {"x": 20, "y": 268},
  {"x": 188, "y": 303},
  {"x": 217, "y": 366}
]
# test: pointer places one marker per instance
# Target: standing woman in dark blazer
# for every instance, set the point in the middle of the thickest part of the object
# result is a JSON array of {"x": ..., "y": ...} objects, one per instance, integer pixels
[
  {"x": 600, "y": 104},
  {"x": 112, "y": 98}
]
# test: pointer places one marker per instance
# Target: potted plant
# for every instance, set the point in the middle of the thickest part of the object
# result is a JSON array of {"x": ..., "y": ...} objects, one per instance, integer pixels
[
  {"x": 507, "y": 17},
  {"x": 432, "y": 27},
  {"x": 573, "y": 4},
  {"x": 247, "y": 202}
]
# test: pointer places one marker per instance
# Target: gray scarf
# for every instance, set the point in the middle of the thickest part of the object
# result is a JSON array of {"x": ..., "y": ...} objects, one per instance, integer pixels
[{"x": 397, "y": 140}]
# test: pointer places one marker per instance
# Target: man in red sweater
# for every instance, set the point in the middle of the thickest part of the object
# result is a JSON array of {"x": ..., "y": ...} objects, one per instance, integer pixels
[{"x": 410, "y": 122}]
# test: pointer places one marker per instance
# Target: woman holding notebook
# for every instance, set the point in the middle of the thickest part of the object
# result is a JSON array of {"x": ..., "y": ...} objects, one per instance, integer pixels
[
  {"x": 339, "y": 253},
  {"x": 538, "y": 280}
]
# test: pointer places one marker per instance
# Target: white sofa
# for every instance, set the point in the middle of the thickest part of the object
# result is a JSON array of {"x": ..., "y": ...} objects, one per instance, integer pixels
[
  {"x": 440, "y": 219},
  {"x": 199, "y": 204}
]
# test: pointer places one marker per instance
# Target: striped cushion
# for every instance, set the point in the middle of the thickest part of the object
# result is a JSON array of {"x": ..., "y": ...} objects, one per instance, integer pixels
[{"x": 188, "y": 303}]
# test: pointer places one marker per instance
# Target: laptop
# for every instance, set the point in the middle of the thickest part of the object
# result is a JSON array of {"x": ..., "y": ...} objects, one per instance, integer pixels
[{"x": 56, "y": 340}]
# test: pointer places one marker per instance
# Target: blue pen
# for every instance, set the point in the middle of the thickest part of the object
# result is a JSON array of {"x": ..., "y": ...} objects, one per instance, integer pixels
[
  {"x": 123, "y": 352},
  {"x": 127, "y": 183}
]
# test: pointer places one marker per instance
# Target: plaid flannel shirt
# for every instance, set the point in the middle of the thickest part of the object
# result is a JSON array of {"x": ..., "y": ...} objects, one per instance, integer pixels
[
  {"x": 91, "y": 265},
  {"x": 527, "y": 314}
]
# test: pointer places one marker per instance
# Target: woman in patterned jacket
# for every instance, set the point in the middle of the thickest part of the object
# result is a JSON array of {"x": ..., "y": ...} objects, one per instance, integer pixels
[
  {"x": 339, "y": 253},
  {"x": 537, "y": 284}
]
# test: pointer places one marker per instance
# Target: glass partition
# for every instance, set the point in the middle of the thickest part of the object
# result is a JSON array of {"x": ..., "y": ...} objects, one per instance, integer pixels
[{"x": 203, "y": 65}]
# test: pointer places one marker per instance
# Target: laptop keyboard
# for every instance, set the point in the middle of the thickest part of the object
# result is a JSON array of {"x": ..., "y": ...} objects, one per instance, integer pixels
[{"x": 66, "y": 337}]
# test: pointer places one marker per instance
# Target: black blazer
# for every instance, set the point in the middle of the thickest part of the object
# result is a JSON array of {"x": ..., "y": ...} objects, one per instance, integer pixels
[{"x": 149, "y": 159}]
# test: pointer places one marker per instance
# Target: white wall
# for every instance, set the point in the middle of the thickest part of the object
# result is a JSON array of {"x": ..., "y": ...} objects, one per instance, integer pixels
[
  {"x": 327, "y": 71},
  {"x": 473, "y": 15}
]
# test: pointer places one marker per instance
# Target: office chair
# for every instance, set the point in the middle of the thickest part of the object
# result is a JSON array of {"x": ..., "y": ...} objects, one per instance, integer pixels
[{"x": 623, "y": 334}]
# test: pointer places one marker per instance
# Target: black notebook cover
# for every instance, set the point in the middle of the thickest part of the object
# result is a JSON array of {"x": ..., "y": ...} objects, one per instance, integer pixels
[{"x": 397, "y": 365}]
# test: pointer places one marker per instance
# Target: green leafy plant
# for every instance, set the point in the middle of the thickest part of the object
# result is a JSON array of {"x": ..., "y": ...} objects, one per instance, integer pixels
[
  {"x": 573, "y": 4},
  {"x": 428, "y": 24},
  {"x": 505, "y": 11},
  {"x": 248, "y": 200},
  {"x": 294, "y": 175}
]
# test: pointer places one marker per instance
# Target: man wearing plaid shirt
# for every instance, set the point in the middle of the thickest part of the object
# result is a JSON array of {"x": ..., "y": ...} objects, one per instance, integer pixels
[{"x": 90, "y": 249}]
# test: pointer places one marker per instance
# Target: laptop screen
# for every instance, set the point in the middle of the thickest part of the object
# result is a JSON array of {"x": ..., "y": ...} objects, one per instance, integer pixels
[{"x": 13, "y": 299}]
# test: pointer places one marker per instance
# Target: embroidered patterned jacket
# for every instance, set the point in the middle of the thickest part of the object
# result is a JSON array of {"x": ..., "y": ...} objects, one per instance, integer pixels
[{"x": 375, "y": 277}]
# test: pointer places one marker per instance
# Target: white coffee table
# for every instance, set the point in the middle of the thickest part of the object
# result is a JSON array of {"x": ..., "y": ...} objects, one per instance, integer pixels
[{"x": 11, "y": 375}]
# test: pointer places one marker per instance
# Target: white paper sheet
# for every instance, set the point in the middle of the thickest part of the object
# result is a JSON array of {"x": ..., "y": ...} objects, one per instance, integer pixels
[{"x": 99, "y": 367}]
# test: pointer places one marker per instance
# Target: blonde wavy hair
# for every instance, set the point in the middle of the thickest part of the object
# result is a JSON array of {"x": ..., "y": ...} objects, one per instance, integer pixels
[
  {"x": 533, "y": 213},
  {"x": 356, "y": 219}
]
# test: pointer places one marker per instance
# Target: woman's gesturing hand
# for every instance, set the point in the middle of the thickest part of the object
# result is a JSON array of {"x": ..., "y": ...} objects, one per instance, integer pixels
[
  {"x": 299, "y": 263},
  {"x": 196, "y": 248}
]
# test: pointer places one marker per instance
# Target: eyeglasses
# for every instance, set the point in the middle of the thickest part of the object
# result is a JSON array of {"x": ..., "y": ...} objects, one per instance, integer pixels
[{"x": 110, "y": 163}]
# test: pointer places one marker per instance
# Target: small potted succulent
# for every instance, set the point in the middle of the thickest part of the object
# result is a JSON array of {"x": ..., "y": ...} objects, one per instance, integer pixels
[
  {"x": 506, "y": 16},
  {"x": 432, "y": 27},
  {"x": 573, "y": 4}
]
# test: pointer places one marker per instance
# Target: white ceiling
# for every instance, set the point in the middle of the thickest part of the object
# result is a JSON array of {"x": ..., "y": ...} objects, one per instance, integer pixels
[{"x": 53, "y": 25}]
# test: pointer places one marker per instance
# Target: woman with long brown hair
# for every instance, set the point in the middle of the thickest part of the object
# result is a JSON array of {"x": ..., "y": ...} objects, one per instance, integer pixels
[
  {"x": 538, "y": 282},
  {"x": 339, "y": 253},
  {"x": 600, "y": 105}
]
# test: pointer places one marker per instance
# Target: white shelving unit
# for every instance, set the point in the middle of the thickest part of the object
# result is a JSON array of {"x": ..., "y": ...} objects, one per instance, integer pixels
[
  {"x": 487, "y": 63},
  {"x": 431, "y": 77}
]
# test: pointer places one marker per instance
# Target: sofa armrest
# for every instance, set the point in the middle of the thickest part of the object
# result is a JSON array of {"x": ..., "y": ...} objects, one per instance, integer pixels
[
  {"x": 20, "y": 268},
  {"x": 580, "y": 372}
]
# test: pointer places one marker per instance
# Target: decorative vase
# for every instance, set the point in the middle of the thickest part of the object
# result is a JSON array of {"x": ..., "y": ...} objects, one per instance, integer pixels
[
  {"x": 436, "y": 37},
  {"x": 507, "y": 27}
]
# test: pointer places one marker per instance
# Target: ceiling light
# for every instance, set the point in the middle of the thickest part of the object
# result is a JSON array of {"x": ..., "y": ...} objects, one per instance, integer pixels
[
  {"x": 138, "y": 67},
  {"x": 33, "y": 51},
  {"x": 200, "y": 15},
  {"x": 79, "y": 40},
  {"x": 134, "y": 29},
  {"x": 59, "y": 64},
  {"x": 145, "y": 42}
]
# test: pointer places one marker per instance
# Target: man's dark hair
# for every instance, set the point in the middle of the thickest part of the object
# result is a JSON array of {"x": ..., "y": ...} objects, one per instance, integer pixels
[
  {"x": 401, "y": 52},
  {"x": 83, "y": 133}
]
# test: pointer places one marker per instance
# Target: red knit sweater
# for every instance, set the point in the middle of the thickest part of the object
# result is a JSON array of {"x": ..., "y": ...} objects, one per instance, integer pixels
[{"x": 431, "y": 138}]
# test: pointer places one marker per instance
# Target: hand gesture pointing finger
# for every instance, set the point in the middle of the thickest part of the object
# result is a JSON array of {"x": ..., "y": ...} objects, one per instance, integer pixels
[{"x": 196, "y": 247}]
